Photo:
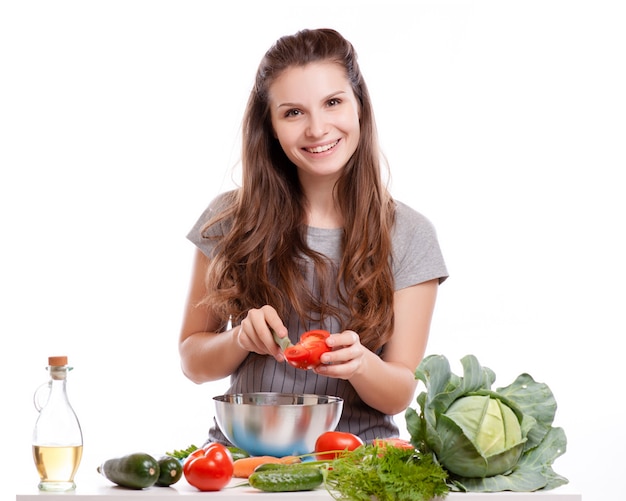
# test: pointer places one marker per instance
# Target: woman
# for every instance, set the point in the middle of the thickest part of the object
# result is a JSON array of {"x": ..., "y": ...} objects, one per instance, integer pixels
[{"x": 313, "y": 240}]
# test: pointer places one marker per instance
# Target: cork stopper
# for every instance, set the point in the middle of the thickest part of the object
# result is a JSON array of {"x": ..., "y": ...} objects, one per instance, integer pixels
[{"x": 57, "y": 361}]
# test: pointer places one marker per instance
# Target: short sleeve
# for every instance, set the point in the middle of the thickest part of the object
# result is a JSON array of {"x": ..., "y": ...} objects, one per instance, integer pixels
[
  {"x": 417, "y": 256},
  {"x": 206, "y": 238}
]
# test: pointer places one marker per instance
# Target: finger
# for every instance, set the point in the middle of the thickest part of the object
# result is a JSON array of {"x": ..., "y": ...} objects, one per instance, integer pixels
[
  {"x": 262, "y": 322},
  {"x": 274, "y": 333},
  {"x": 273, "y": 321},
  {"x": 343, "y": 339},
  {"x": 248, "y": 337}
]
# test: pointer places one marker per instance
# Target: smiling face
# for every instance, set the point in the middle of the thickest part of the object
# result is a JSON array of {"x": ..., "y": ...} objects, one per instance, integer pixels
[{"x": 315, "y": 117}]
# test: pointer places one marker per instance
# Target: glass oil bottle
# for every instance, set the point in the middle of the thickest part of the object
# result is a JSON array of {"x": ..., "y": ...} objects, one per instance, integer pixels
[{"x": 57, "y": 437}]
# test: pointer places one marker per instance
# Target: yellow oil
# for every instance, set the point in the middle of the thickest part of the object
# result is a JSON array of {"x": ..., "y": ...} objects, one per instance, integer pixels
[{"x": 57, "y": 466}]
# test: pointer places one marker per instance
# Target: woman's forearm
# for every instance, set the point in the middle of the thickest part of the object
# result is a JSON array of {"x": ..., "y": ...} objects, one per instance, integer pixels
[
  {"x": 385, "y": 386},
  {"x": 209, "y": 356},
  {"x": 388, "y": 383}
]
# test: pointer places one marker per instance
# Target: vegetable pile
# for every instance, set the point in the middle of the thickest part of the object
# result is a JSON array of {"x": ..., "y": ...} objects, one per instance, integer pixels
[
  {"x": 488, "y": 440},
  {"x": 466, "y": 437}
]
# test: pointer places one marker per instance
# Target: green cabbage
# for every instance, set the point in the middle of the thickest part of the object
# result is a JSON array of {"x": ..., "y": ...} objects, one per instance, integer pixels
[{"x": 488, "y": 440}]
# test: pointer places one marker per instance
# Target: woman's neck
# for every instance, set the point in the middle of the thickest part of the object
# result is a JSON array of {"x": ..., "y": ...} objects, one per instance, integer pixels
[{"x": 322, "y": 210}]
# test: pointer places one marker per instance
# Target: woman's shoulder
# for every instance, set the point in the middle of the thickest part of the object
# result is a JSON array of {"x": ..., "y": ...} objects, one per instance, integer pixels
[
  {"x": 223, "y": 201},
  {"x": 417, "y": 255},
  {"x": 215, "y": 211},
  {"x": 409, "y": 219},
  {"x": 217, "y": 207}
]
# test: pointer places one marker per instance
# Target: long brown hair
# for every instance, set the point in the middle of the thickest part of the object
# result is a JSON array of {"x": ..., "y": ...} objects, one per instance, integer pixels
[{"x": 259, "y": 260}]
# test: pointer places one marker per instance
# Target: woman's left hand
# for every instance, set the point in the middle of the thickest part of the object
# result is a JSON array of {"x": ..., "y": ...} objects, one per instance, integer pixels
[{"x": 346, "y": 358}]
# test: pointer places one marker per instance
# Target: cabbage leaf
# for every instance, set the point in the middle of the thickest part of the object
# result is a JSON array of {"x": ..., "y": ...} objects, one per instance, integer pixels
[{"x": 531, "y": 402}]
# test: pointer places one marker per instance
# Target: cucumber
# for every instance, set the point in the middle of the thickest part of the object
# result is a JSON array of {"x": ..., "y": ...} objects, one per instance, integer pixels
[
  {"x": 270, "y": 466},
  {"x": 282, "y": 466},
  {"x": 135, "y": 471},
  {"x": 290, "y": 478},
  {"x": 237, "y": 453},
  {"x": 170, "y": 471}
]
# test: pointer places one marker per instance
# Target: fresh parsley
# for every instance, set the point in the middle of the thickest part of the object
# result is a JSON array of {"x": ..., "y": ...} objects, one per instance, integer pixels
[
  {"x": 182, "y": 453},
  {"x": 386, "y": 474}
]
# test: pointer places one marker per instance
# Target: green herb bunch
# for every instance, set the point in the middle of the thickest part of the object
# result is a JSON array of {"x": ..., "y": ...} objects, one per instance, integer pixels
[
  {"x": 182, "y": 453},
  {"x": 386, "y": 474}
]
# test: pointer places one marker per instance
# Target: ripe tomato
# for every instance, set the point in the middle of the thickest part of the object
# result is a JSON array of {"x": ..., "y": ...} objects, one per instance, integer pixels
[
  {"x": 333, "y": 442},
  {"x": 306, "y": 353},
  {"x": 209, "y": 468}
]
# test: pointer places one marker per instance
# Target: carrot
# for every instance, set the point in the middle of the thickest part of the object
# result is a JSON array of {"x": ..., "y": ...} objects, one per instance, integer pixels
[
  {"x": 244, "y": 467},
  {"x": 290, "y": 460}
]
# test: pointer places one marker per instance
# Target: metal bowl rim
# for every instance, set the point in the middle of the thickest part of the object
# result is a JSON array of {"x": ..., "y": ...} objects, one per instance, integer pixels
[{"x": 227, "y": 398}]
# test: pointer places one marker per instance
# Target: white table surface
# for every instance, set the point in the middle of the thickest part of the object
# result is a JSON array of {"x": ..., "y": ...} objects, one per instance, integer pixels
[{"x": 95, "y": 486}]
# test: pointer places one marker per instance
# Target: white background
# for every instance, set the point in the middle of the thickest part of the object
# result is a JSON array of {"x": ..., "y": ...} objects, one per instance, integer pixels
[{"x": 503, "y": 122}]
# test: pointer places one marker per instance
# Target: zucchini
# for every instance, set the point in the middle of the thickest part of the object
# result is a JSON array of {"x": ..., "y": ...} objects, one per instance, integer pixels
[
  {"x": 170, "y": 471},
  {"x": 135, "y": 471},
  {"x": 289, "y": 478}
]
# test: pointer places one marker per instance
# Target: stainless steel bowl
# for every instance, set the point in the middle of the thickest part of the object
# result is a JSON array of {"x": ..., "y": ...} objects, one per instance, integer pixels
[{"x": 276, "y": 424}]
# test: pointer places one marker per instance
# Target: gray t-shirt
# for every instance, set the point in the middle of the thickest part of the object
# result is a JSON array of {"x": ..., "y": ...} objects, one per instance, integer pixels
[{"x": 416, "y": 258}]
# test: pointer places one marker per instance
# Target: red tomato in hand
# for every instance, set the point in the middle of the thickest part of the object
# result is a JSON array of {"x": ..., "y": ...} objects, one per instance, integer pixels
[
  {"x": 333, "y": 442},
  {"x": 307, "y": 352},
  {"x": 209, "y": 468}
]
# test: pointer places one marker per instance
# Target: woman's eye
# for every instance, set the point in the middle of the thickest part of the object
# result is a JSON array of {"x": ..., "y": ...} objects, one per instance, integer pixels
[
  {"x": 292, "y": 113},
  {"x": 334, "y": 102}
]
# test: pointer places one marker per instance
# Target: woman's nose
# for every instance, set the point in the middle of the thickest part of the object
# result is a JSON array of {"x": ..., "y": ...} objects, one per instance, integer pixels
[{"x": 317, "y": 126}]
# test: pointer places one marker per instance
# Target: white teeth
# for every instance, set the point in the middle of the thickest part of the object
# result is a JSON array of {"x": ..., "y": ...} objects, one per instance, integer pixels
[{"x": 320, "y": 149}]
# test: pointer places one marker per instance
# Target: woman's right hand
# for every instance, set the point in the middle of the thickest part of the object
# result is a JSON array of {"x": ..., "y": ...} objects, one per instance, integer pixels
[{"x": 255, "y": 334}]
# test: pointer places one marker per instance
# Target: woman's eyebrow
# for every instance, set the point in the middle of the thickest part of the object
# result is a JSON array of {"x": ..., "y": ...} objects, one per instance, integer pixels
[{"x": 296, "y": 105}]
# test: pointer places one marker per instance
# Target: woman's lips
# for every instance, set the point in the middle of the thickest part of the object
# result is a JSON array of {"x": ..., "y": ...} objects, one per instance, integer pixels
[{"x": 322, "y": 148}]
